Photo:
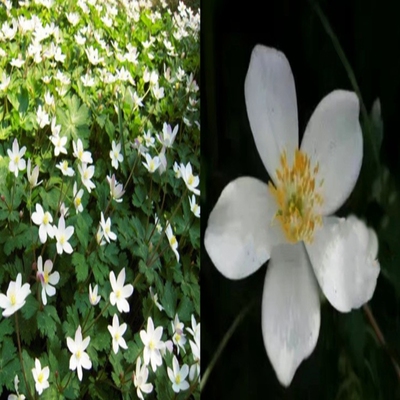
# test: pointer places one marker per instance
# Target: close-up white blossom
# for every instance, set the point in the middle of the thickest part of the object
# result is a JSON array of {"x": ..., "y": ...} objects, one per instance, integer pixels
[
  {"x": 117, "y": 331},
  {"x": 63, "y": 234},
  {"x": 16, "y": 296},
  {"x": 79, "y": 358},
  {"x": 120, "y": 291},
  {"x": 140, "y": 379},
  {"x": 17, "y": 163},
  {"x": 41, "y": 377},
  {"x": 46, "y": 278},
  {"x": 290, "y": 221},
  {"x": 115, "y": 154},
  {"x": 178, "y": 376},
  {"x": 43, "y": 219},
  {"x": 153, "y": 344}
]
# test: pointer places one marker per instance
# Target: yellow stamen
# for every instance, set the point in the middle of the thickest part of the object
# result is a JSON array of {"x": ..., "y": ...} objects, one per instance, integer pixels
[{"x": 298, "y": 197}]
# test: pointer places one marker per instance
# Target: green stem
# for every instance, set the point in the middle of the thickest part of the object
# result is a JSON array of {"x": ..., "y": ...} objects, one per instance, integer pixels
[
  {"x": 97, "y": 318},
  {"x": 223, "y": 343}
]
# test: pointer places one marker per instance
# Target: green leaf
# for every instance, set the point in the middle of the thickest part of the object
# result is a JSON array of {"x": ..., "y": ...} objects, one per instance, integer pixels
[
  {"x": 30, "y": 307},
  {"x": 81, "y": 266},
  {"x": 169, "y": 299},
  {"x": 47, "y": 321},
  {"x": 9, "y": 364}
]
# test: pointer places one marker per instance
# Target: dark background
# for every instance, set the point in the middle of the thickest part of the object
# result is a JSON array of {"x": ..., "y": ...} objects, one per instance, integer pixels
[{"x": 348, "y": 362}]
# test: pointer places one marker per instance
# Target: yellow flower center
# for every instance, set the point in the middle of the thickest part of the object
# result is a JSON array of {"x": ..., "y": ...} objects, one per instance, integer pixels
[
  {"x": 13, "y": 299},
  {"x": 190, "y": 179},
  {"x": 178, "y": 379},
  {"x": 40, "y": 377},
  {"x": 46, "y": 277},
  {"x": 298, "y": 197},
  {"x": 77, "y": 202},
  {"x": 152, "y": 345},
  {"x": 62, "y": 239},
  {"x": 172, "y": 241},
  {"x": 46, "y": 218},
  {"x": 78, "y": 354},
  {"x": 118, "y": 294}
]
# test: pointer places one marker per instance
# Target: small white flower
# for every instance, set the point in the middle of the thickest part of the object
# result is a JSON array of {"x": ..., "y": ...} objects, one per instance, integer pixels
[
  {"x": 86, "y": 176},
  {"x": 47, "y": 279},
  {"x": 178, "y": 375},
  {"x": 79, "y": 357},
  {"x": 62, "y": 235},
  {"x": 85, "y": 157},
  {"x": 116, "y": 189},
  {"x": 168, "y": 136},
  {"x": 195, "y": 368},
  {"x": 77, "y": 198},
  {"x": 177, "y": 170},
  {"x": 41, "y": 376},
  {"x": 154, "y": 297},
  {"x": 59, "y": 143},
  {"x": 158, "y": 92},
  {"x": 49, "y": 99},
  {"x": 42, "y": 117},
  {"x": 116, "y": 332},
  {"x": 33, "y": 177},
  {"x": 17, "y": 163},
  {"x": 140, "y": 379},
  {"x": 172, "y": 240},
  {"x": 16, "y": 396},
  {"x": 115, "y": 154},
  {"x": 65, "y": 169},
  {"x": 5, "y": 81},
  {"x": 190, "y": 180},
  {"x": 151, "y": 164},
  {"x": 152, "y": 344},
  {"x": 194, "y": 207},
  {"x": 178, "y": 336},
  {"x": 149, "y": 140},
  {"x": 93, "y": 297},
  {"x": 43, "y": 220},
  {"x": 120, "y": 292},
  {"x": 16, "y": 295},
  {"x": 93, "y": 56},
  {"x": 106, "y": 227}
]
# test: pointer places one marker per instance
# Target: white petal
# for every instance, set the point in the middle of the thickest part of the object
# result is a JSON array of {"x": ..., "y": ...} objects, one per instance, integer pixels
[
  {"x": 343, "y": 263},
  {"x": 290, "y": 310},
  {"x": 271, "y": 105},
  {"x": 333, "y": 138},
  {"x": 239, "y": 235}
]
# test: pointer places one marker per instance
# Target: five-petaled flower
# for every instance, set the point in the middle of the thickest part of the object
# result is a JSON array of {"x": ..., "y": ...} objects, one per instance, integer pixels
[
  {"x": 116, "y": 331},
  {"x": 17, "y": 163},
  {"x": 152, "y": 344},
  {"x": 140, "y": 379},
  {"x": 289, "y": 221},
  {"x": 41, "y": 376},
  {"x": 79, "y": 357},
  {"x": 63, "y": 234},
  {"x": 115, "y": 154},
  {"x": 178, "y": 376},
  {"x": 16, "y": 296},
  {"x": 46, "y": 278},
  {"x": 120, "y": 292},
  {"x": 106, "y": 228},
  {"x": 191, "y": 181},
  {"x": 43, "y": 219}
]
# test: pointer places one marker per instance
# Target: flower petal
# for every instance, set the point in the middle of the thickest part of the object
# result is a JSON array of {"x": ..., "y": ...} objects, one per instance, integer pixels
[
  {"x": 271, "y": 105},
  {"x": 290, "y": 310},
  {"x": 333, "y": 138},
  {"x": 239, "y": 235},
  {"x": 343, "y": 263}
]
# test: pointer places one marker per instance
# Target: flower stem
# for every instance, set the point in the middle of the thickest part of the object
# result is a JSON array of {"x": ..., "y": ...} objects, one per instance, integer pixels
[
  {"x": 223, "y": 343},
  {"x": 20, "y": 356},
  {"x": 380, "y": 337}
]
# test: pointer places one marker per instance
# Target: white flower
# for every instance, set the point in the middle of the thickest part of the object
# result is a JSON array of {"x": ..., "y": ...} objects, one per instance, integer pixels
[
  {"x": 17, "y": 163},
  {"x": 154, "y": 297},
  {"x": 106, "y": 228},
  {"x": 195, "y": 329},
  {"x": 148, "y": 139},
  {"x": 33, "y": 177},
  {"x": 16, "y": 396},
  {"x": 86, "y": 176},
  {"x": 116, "y": 189},
  {"x": 43, "y": 219},
  {"x": 16, "y": 295},
  {"x": 151, "y": 164},
  {"x": 194, "y": 207},
  {"x": 73, "y": 18},
  {"x": 289, "y": 220},
  {"x": 79, "y": 357},
  {"x": 116, "y": 332},
  {"x": 115, "y": 154},
  {"x": 194, "y": 371},
  {"x": 42, "y": 117},
  {"x": 87, "y": 80},
  {"x": 5, "y": 81},
  {"x": 178, "y": 375},
  {"x": 168, "y": 136},
  {"x": 47, "y": 279},
  {"x": 177, "y": 170},
  {"x": 65, "y": 169},
  {"x": 178, "y": 337},
  {"x": 62, "y": 235},
  {"x": 41, "y": 376},
  {"x": 140, "y": 379},
  {"x": 190, "y": 180},
  {"x": 63, "y": 210},
  {"x": 93, "y": 297},
  {"x": 84, "y": 157},
  {"x": 158, "y": 92},
  {"x": 77, "y": 198},
  {"x": 93, "y": 56},
  {"x": 120, "y": 292},
  {"x": 172, "y": 240},
  {"x": 152, "y": 344},
  {"x": 59, "y": 143}
]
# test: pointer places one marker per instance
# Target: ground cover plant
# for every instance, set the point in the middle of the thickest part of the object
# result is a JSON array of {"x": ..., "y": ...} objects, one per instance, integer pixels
[{"x": 99, "y": 206}]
